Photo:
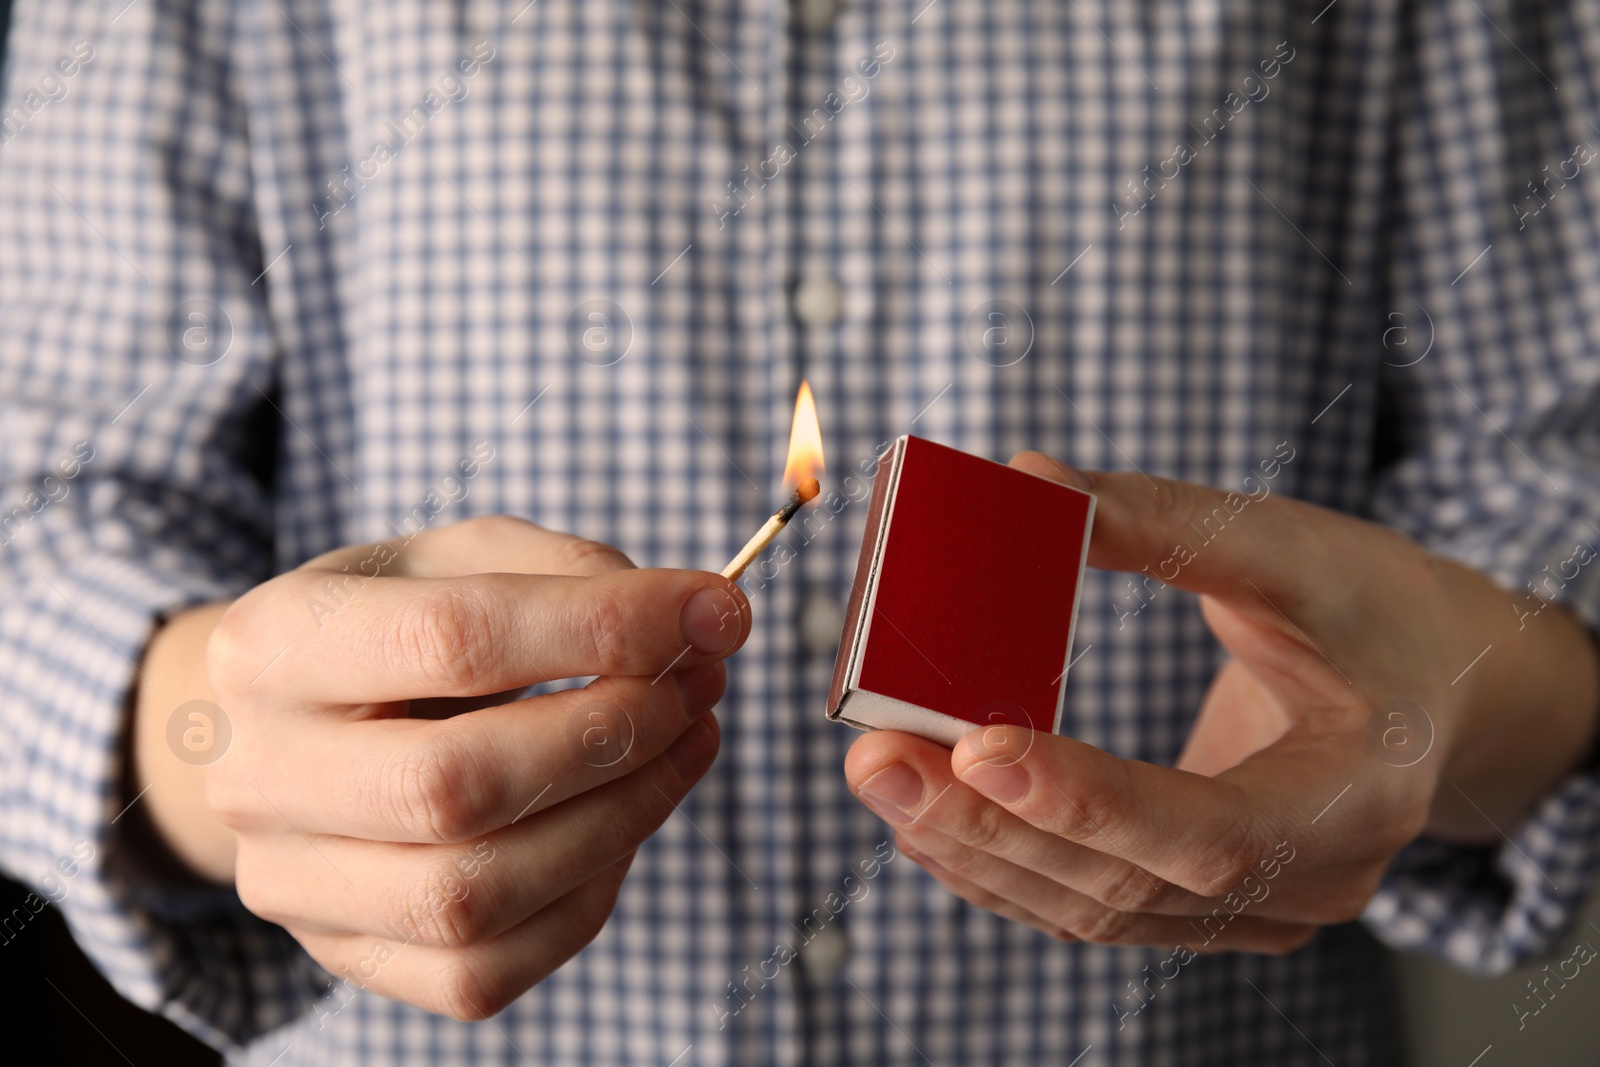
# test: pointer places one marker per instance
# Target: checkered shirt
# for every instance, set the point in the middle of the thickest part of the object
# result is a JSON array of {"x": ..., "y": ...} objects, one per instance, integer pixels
[{"x": 968, "y": 219}]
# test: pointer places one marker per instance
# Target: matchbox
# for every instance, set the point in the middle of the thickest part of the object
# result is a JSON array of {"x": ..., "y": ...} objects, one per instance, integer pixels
[{"x": 965, "y": 597}]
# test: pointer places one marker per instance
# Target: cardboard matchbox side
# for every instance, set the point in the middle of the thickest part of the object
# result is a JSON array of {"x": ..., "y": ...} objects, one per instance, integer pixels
[
  {"x": 965, "y": 597},
  {"x": 870, "y": 540}
]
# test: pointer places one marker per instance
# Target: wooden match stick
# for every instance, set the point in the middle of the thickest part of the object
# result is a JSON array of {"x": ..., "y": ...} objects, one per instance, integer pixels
[{"x": 807, "y": 490}]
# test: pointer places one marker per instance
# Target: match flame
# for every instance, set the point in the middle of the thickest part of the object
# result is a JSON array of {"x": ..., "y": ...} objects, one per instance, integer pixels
[{"x": 805, "y": 442}]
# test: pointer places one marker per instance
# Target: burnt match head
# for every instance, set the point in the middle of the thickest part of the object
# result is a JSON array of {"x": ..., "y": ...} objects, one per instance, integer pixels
[{"x": 807, "y": 490}]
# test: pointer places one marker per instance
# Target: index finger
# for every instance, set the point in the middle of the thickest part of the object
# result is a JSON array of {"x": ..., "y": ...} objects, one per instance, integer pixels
[
  {"x": 394, "y": 639},
  {"x": 1206, "y": 540}
]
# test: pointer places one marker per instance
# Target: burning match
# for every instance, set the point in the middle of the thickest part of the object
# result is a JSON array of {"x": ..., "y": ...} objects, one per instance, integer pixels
[
  {"x": 774, "y": 526},
  {"x": 805, "y": 457}
]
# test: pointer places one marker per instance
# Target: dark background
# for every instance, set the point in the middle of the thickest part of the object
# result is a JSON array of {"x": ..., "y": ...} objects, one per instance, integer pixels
[{"x": 109, "y": 1030}]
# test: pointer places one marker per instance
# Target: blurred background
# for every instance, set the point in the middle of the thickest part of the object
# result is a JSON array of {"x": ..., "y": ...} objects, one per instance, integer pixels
[{"x": 1453, "y": 1020}]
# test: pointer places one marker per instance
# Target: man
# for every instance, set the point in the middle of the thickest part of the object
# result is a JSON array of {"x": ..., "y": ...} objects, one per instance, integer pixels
[{"x": 300, "y": 304}]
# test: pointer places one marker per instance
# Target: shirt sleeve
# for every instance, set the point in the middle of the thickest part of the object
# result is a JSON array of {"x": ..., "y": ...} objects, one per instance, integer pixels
[
  {"x": 1491, "y": 381},
  {"x": 135, "y": 361}
]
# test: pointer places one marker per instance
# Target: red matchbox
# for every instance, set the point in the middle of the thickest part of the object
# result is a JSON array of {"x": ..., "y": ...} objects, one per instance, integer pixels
[{"x": 965, "y": 597}]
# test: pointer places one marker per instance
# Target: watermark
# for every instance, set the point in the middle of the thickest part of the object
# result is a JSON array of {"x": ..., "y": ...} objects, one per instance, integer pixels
[
  {"x": 52, "y": 489},
  {"x": 1582, "y": 156},
  {"x": 1397, "y": 340},
  {"x": 448, "y": 889},
  {"x": 199, "y": 732},
  {"x": 452, "y": 87},
  {"x": 1155, "y": 577},
  {"x": 1552, "y": 582},
  {"x": 999, "y": 332},
  {"x": 851, "y": 90},
  {"x": 49, "y": 88},
  {"x": 1400, "y": 733},
  {"x": 999, "y": 713},
  {"x": 1252, "y": 890},
  {"x": 855, "y": 889},
  {"x": 599, "y": 332},
  {"x": 1581, "y": 954},
  {"x": 54, "y": 887},
  {"x": 603, "y": 732},
  {"x": 199, "y": 332},
  {"x": 452, "y": 488},
  {"x": 1211, "y": 127}
]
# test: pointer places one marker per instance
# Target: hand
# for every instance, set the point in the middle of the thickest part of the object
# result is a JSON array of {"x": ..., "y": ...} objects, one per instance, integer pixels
[
  {"x": 453, "y": 863},
  {"x": 1295, "y": 788}
]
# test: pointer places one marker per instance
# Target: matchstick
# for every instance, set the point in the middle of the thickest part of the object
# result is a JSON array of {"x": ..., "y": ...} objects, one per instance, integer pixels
[{"x": 758, "y": 544}]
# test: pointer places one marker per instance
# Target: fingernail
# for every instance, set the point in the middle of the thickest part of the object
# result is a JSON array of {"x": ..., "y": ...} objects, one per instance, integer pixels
[
  {"x": 710, "y": 620},
  {"x": 896, "y": 789},
  {"x": 693, "y": 751},
  {"x": 923, "y": 860},
  {"x": 1001, "y": 780}
]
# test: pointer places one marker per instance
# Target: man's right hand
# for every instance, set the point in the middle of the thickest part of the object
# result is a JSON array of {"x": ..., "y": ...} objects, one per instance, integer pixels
[{"x": 450, "y": 862}]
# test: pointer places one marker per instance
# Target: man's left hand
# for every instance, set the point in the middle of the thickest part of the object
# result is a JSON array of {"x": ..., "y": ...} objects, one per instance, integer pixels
[{"x": 1347, "y": 644}]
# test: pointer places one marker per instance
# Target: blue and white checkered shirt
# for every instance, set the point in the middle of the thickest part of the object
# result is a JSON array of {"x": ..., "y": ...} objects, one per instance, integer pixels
[{"x": 270, "y": 268}]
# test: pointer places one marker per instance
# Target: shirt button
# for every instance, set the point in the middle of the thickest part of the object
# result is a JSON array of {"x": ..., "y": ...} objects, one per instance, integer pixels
[
  {"x": 821, "y": 623},
  {"x": 818, "y": 299},
  {"x": 816, "y": 16},
  {"x": 825, "y": 954}
]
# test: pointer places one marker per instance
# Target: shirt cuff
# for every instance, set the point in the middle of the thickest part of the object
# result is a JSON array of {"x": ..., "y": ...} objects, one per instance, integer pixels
[
  {"x": 69, "y": 643},
  {"x": 1487, "y": 908}
]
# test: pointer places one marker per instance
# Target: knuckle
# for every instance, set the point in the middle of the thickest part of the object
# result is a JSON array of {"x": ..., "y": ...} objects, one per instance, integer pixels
[
  {"x": 1133, "y": 889},
  {"x": 983, "y": 831},
  {"x": 432, "y": 791},
  {"x": 604, "y": 633},
  {"x": 467, "y": 993},
  {"x": 438, "y": 909},
  {"x": 448, "y": 639},
  {"x": 1103, "y": 926},
  {"x": 432, "y": 907},
  {"x": 1174, "y": 498},
  {"x": 620, "y": 729},
  {"x": 594, "y": 908},
  {"x": 226, "y": 798},
  {"x": 630, "y": 824},
  {"x": 625, "y": 827},
  {"x": 233, "y": 646},
  {"x": 463, "y": 994},
  {"x": 1095, "y": 805},
  {"x": 255, "y": 892},
  {"x": 580, "y": 555},
  {"x": 1226, "y": 860},
  {"x": 494, "y": 527}
]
